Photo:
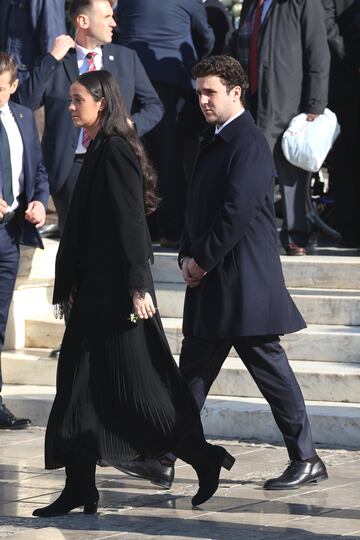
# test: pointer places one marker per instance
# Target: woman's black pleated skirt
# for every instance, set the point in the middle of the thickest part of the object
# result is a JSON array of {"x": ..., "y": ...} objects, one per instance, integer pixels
[{"x": 119, "y": 392}]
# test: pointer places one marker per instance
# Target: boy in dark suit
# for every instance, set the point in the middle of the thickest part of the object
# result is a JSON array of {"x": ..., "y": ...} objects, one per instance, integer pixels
[{"x": 24, "y": 194}]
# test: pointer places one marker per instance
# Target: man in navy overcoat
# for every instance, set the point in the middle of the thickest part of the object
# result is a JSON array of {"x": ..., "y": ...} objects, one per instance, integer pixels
[
  {"x": 236, "y": 295},
  {"x": 24, "y": 193}
]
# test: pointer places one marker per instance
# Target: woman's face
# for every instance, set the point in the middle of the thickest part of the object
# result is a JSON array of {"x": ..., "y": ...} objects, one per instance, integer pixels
[{"x": 83, "y": 107}]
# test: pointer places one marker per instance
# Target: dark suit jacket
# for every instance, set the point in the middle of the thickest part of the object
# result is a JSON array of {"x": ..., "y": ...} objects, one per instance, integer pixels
[
  {"x": 221, "y": 23},
  {"x": 293, "y": 63},
  {"x": 36, "y": 181},
  {"x": 28, "y": 29},
  {"x": 343, "y": 27},
  {"x": 161, "y": 33},
  {"x": 230, "y": 231},
  {"x": 49, "y": 85}
]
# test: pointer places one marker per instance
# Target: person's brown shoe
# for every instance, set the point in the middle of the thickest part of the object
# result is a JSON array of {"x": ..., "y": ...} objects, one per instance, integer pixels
[
  {"x": 295, "y": 250},
  {"x": 9, "y": 421}
]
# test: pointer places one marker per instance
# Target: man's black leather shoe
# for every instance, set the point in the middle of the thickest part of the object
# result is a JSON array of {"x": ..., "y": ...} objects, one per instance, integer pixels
[
  {"x": 297, "y": 474},
  {"x": 160, "y": 472},
  {"x": 9, "y": 421},
  {"x": 50, "y": 230}
]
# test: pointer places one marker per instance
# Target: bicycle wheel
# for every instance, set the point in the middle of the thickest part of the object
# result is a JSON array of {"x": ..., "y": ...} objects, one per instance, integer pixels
[{"x": 320, "y": 203}]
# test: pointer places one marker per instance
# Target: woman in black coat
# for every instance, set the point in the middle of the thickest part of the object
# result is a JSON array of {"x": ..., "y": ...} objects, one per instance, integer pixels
[{"x": 119, "y": 392}]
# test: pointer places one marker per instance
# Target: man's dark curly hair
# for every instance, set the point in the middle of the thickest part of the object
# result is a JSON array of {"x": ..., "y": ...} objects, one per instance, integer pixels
[{"x": 227, "y": 68}]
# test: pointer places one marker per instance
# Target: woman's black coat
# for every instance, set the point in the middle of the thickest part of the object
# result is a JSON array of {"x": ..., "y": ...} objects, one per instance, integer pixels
[{"x": 106, "y": 247}]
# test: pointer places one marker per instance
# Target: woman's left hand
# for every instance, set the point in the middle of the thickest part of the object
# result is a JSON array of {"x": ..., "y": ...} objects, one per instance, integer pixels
[{"x": 143, "y": 305}]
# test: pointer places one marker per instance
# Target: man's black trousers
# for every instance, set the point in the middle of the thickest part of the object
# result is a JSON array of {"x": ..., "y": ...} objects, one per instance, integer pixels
[{"x": 267, "y": 363}]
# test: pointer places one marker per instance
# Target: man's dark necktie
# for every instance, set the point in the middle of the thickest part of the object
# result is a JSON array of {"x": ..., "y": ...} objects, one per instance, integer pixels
[
  {"x": 5, "y": 166},
  {"x": 254, "y": 48}
]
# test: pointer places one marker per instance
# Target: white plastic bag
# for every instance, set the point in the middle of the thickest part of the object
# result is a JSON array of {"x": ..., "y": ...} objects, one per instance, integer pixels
[{"x": 306, "y": 144}]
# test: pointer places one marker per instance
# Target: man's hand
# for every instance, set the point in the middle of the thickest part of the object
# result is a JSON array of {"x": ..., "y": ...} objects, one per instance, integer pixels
[
  {"x": 195, "y": 270},
  {"x": 310, "y": 117},
  {"x": 3, "y": 208},
  {"x": 191, "y": 272},
  {"x": 61, "y": 46},
  {"x": 36, "y": 214},
  {"x": 143, "y": 305}
]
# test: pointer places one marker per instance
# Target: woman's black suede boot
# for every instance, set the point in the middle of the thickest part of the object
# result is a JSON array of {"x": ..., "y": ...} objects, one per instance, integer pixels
[{"x": 79, "y": 490}]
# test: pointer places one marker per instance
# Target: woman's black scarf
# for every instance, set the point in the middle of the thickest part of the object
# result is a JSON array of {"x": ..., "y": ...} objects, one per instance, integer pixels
[{"x": 67, "y": 262}]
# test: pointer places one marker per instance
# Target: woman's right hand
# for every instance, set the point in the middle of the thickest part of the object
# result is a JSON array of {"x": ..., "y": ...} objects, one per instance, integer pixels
[{"x": 143, "y": 305}]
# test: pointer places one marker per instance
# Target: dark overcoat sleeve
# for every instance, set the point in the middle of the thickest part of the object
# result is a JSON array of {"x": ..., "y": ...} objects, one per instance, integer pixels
[
  {"x": 31, "y": 91},
  {"x": 316, "y": 58},
  {"x": 149, "y": 108},
  {"x": 202, "y": 33},
  {"x": 244, "y": 196},
  {"x": 48, "y": 18},
  {"x": 335, "y": 39},
  {"x": 125, "y": 187},
  {"x": 41, "y": 184}
]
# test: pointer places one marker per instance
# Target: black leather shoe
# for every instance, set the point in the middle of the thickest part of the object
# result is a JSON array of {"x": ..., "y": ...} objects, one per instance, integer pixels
[
  {"x": 50, "y": 230},
  {"x": 55, "y": 353},
  {"x": 9, "y": 421},
  {"x": 160, "y": 472},
  {"x": 297, "y": 474}
]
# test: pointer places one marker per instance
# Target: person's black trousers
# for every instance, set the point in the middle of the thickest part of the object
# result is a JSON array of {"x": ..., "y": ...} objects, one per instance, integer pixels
[
  {"x": 9, "y": 263},
  {"x": 267, "y": 363}
]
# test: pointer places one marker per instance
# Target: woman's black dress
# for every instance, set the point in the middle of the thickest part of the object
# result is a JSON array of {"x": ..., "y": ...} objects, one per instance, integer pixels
[{"x": 119, "y": 391}]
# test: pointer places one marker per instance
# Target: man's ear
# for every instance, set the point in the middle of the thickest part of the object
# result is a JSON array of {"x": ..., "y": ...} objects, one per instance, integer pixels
[
  {"x": 82, "y": 21},
  {"x": 237, "y": 93},
  {"x": 14, "y": 86}
]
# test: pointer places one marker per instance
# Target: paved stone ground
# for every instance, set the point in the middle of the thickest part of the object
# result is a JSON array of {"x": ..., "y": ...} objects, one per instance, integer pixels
[{"x": 133, "y": 509}]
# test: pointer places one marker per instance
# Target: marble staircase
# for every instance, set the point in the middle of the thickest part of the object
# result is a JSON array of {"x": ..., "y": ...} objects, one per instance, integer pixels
[{"x": 325, "y": 356}]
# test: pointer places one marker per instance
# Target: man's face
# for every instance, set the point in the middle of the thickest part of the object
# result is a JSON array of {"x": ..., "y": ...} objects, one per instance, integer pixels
[
  {"x": 217, "y": 104},
  {"x": 6, "y": 87},
  {"x": 99, "y": 22}
]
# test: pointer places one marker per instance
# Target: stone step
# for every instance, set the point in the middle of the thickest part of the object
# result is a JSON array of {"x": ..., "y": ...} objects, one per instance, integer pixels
[
  {"x": 330, "y": 343},
  {"x": 29, "y": 367},
  {"x": 320, "y": 381},
  {"x": 45, "y": 333},
  {"x": 314, "y": 271},
  {"x": 237, "y": 418},
  {"x": 250, "y": 418},
  {"x": 319, "y": 342},
  {"x": 318, "y": 306}
]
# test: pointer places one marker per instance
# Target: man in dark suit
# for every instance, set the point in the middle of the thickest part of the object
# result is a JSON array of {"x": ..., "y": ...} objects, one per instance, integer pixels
[
  {"x": 342, "y": 19},
  {"x": 163, "y": 35},
  {"x": 236, "y": 294},
  {"x": 24, "y": 194},
  {"x": 28, "y": 29},
  {"x": 282, "y": 46},
  {"x": 64, "y": 145}
]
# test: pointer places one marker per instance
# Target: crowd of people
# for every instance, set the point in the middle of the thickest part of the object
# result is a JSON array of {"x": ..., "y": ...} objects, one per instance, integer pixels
[{"x": 145, "y": 80}]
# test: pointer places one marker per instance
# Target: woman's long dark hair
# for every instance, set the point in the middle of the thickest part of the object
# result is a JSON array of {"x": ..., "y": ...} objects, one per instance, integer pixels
[{"x": 114, "y": 121}]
